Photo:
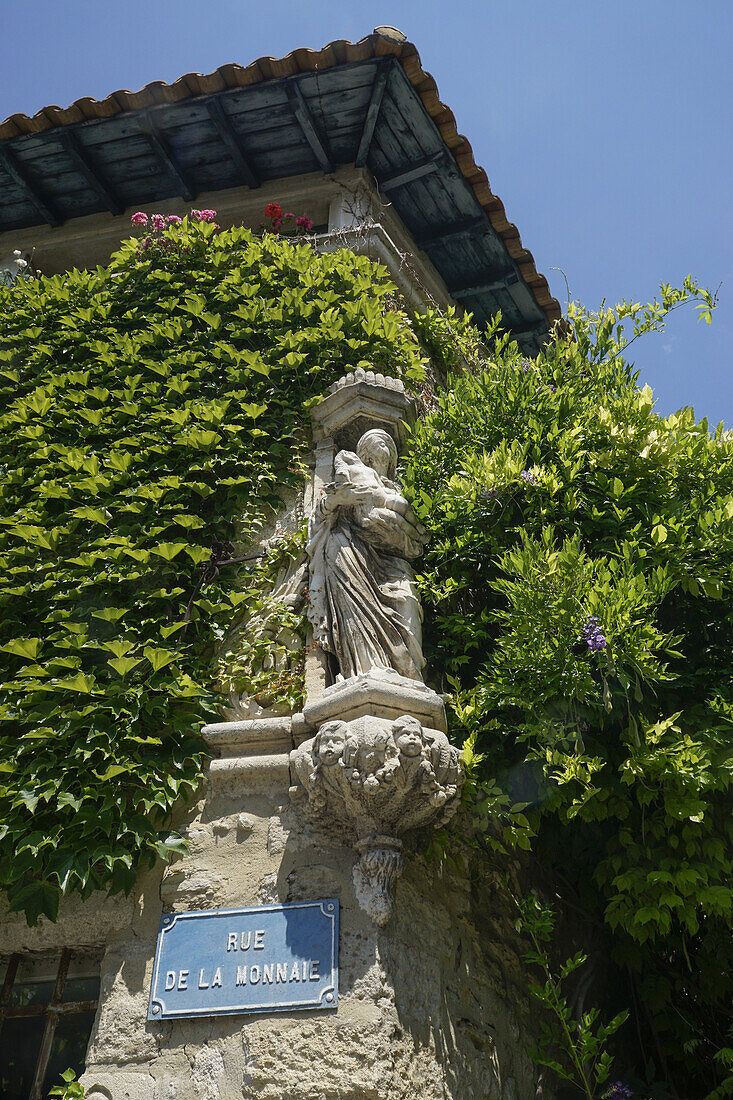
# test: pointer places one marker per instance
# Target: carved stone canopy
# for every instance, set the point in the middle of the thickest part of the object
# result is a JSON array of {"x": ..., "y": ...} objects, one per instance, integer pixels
[{"x": 361, "y": 400}]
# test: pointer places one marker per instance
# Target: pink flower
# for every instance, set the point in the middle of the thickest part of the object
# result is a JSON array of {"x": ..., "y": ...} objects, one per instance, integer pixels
[
  {"x": 276, "y": 223},
  {"x": 288, "y": 215},
  {"x": 173, "y": 219},
  {"x": 203, "y": 215},
  {"x": 139, "y": 218},
  {"x": 304, "y": 223},
  {"x": 158, "y": 222}
]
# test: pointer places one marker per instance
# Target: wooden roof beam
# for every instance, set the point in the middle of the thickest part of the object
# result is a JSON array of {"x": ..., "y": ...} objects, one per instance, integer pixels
[
  {"x": 83, "y": 164},
  {"x": 305, "y": 120},
  {"x": 372, "y": 115},
  {"x": 415, "y": 171},
  {"x": 17, "y": 172},
  {"x": 225, "y": 130},
  {"x": 167, "y": 158},
  {"x": 470, "y": 290}
]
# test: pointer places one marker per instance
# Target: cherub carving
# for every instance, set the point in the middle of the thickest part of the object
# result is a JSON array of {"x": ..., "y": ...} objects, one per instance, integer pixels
[{"x": 371, "y": 760}]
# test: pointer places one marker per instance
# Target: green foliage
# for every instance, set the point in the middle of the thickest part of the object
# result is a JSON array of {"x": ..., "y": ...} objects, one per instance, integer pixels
[
  {"x": 263, "y": 656},
  {"x": 70, "y": 1090},
  {"x": 151, "y": 413},
  {"x": 557, "y": 499},
  {"x": 573, "y": 1048}
]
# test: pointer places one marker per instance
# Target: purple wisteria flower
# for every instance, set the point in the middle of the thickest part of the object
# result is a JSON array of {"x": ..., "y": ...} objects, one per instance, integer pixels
[
  {"x": 594, "y": 636},
  {"x": 618, "y": 1091},
  {"x": 528, "y": 476}
]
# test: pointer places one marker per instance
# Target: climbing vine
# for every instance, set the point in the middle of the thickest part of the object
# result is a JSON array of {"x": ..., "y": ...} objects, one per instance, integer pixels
[{"x": 154, "y": 413}]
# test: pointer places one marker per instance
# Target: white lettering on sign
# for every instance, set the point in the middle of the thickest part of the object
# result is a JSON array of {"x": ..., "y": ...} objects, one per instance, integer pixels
[
  {"x": 242, "y": 941},
  {"x": 272, "y": 973}
]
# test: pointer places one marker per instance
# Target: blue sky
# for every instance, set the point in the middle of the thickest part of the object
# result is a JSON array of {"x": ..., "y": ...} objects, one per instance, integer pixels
[{"x": 604, "y": 127}]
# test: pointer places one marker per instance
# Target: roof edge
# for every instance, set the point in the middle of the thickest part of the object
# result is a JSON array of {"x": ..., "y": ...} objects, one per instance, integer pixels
[{"x": 382, "y": 42}]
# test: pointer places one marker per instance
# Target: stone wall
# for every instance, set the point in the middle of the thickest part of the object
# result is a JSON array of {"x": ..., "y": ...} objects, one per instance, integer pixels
[{"x": 430, "y": 1007}]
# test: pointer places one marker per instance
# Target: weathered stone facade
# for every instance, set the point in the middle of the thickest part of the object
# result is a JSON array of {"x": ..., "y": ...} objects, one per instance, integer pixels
[{"x": 430, "y": 1007}]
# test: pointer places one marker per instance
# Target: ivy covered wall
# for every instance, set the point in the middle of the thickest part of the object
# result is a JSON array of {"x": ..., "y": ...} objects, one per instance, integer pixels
[
  {"x": 153, "y": 412},
  {"x": 577, "y": 589}
]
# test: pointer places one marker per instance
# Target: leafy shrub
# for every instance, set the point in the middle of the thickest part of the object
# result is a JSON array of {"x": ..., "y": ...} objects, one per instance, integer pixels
[{"x": 579, "y": 597}]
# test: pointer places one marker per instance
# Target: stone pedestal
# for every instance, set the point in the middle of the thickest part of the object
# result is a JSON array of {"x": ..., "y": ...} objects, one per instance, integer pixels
[{"x": 379, "y": 694}]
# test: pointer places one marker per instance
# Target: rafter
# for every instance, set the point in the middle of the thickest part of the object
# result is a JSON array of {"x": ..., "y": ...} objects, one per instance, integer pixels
[
  {"x": 412, "y": 172},
  {"x": 165, "y": 154},
  {"x": 83, "y": 164},
  {"x": 372, "y": 115},
  {"x": 17, "y": 171},
  {"x": 225, "y": 130},
  {"x": 305, "y": 119}
]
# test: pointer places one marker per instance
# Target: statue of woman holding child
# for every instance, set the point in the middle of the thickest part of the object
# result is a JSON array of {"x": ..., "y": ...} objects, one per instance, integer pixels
[{"x": 363, "y": 534}]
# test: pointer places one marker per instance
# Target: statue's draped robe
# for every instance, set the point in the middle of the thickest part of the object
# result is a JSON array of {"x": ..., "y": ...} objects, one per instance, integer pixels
[{"x": 363, "y": 605}]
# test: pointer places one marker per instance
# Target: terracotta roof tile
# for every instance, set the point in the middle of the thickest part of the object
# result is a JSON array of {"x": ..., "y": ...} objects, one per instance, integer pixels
[{"x": 381, "y": 43}]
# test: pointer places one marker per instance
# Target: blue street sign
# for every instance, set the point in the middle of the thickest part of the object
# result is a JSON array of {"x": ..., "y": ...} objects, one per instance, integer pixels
[{"x": 268, "y": 958}]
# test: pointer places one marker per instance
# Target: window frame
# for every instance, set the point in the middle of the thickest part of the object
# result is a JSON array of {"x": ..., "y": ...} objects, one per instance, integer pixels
[{"x": 52, "y": 1010}]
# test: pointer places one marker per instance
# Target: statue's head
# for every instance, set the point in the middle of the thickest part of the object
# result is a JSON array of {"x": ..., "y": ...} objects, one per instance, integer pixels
[
  {"x": 329, "y": 743},
  {"x": 408, "y": 736},
  {"x": 377, "y": 449}
]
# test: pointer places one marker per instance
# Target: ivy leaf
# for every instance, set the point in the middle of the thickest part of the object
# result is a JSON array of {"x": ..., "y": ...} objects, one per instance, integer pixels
[
  {"x": 169, "y": 550},
  {"x": 81, "y": 683},
  {"x": 23, "y": 647},
  {"x": 123, "y": 665},
  {"x": 110, "y": 614},
  {"x": 112, "y": 772},
  {"x": 159, "y": 657},
  {"x": 253, "y": 410}
]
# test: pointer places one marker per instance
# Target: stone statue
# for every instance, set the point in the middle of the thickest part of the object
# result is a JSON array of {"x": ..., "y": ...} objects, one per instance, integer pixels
[
  {"x": 377, "y": 779},
  {"x": 363, "y": 605}
]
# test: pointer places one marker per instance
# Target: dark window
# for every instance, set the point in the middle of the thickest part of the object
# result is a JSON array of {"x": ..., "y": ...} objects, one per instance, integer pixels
[{"x": 47, "y": 1007}]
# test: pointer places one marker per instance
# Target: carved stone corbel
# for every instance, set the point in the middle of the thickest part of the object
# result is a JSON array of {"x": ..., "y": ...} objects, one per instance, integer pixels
[{"x": 377, "y": 779}]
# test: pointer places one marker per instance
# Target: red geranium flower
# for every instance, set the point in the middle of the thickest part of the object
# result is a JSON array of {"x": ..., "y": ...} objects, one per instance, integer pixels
[{"x": 273, "y": 210}]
